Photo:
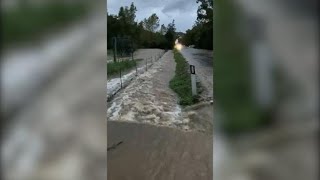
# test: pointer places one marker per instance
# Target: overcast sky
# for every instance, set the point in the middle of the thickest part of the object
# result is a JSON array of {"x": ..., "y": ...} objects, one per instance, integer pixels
[{"x": 184, "y": 12}]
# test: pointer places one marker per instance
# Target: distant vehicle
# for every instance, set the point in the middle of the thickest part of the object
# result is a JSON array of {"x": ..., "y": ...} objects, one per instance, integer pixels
[{"x": 191, "y": 46}]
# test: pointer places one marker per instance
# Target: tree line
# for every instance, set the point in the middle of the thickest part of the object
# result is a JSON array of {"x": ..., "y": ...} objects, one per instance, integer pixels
[
  {"x": 201, "y": 34},
  {"x": 145, "y": 34}
]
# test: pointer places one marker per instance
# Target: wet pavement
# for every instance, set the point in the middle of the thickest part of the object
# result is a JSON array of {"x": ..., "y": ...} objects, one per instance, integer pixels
[
  {"x": 203, "y": 62},
  {"x": 147, "y": 152}
]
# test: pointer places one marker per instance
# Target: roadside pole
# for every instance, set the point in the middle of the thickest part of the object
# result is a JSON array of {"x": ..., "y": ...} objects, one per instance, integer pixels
[
  {"x": 120, "y": 78},
  {"x": 135, "y": 62},
  {"x": 193, "y": 80},
  {"x": 114, "y": 49}
]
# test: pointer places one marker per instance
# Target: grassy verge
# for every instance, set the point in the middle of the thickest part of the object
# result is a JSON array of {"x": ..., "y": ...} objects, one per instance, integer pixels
[
  {"x": 27, "y": 21},
  {"x": 181, "y": 82},
  {"x": 114, "y": 67}
]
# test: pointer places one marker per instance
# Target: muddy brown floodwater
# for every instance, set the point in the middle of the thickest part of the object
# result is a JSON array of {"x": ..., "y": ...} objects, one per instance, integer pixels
[
  {"x": 151, "y": 137},
  {"x": 148, "y": 99},
  {"x": 148, "y": 152}
]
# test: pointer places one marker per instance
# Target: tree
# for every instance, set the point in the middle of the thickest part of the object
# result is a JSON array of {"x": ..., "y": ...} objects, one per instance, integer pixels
[
  {"x": 151, "y": 23},
  {"x": 144, "y": 34},
  {"x": 171, "y": 34},
  {"x": 112, "y": 25},
  {"x": 163, "y": 29},
  {"x": 132, "y": 13},
  {"x": 201, "y": 34},
  {"x": 127, "y": 14},
  {"x": 205, "y": 11},
  {"x": 121, "y": 13},
  {"x": 126, "y": 21}
]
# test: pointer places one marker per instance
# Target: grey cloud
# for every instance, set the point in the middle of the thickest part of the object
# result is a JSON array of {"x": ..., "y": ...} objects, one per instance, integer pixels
[
  {"x": 180, "y": 6},
  {"x": 181, "y": 10}
]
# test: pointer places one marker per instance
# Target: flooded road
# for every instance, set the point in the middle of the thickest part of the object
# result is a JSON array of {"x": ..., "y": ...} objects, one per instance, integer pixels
[
  {"x": 151, "y": 137},
  {"x": 148, "y": 99},
  {"x": 148, "y": 152},
  {"x": 146, "y": 58}
]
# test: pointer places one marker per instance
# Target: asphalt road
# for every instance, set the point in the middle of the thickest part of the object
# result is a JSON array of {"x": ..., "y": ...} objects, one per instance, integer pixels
[
  {"x": 148, "y": 152},
  {"x": 203, "y": 62}
]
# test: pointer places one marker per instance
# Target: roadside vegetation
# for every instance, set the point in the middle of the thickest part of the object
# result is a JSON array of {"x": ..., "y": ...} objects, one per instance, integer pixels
[
  {"x": 28, "y": 20},
  {"x": 115, "y": 67},
  {"x": 181, "y": 82},
  {"x": 201, "y": 34}
]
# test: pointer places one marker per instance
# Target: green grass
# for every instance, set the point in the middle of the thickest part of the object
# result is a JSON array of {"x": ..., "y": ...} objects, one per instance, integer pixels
[
  {"x": 29, "y": 21},
  {"x": 181, "y": 82},
  {"x": 114, "y": 67}
]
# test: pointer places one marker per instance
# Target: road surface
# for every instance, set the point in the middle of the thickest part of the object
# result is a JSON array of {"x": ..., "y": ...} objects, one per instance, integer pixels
[
  {"x": 203, "y": 62},
  {"x": 151, "y": 137},
  {"x": 148, "y": 99},
  {"x": 147, "y": 152}
]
